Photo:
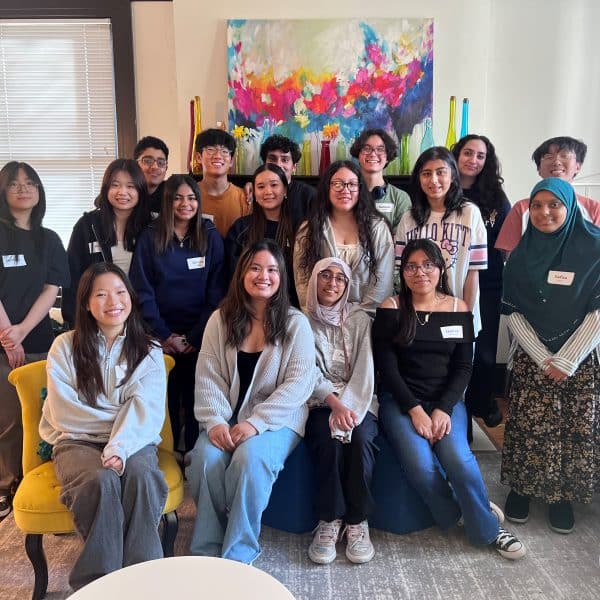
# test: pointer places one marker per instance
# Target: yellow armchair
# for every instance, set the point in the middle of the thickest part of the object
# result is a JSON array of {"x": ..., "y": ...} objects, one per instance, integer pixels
[{"x": 37, "y": 507}]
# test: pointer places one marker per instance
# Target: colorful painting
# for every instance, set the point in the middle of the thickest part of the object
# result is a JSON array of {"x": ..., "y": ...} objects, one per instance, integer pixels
[{"x": 328, "y": 79}]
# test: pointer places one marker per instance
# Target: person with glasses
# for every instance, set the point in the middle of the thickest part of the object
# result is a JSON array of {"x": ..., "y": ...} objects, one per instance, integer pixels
[
  {"x": 110, "y": 232},
  {"x": 423, "y": 347},
  {"x": 560, "y": 157},
  {"x": 441, "y": 213},
  {"x": 152, "y": 154},
  {"x": 33, "y": 267},
  {"x": 552, "y": 299},
  {"x": 222, "y": 202},
  {"x": 375, "y": 149},
  {"x": 345, "y": 224},
  {"x": 342, "y": 423}
]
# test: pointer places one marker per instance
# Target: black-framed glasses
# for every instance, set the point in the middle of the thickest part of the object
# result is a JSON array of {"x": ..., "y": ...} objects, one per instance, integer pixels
[
  {"x": 148, "y": 161},
  {"x": 370, "y": 149},
  {"x": 339, "y": 185},
  {"x": 212, "y": 150},
  {"x": 412, "y": 268},
  {"x": 327, "y": 276}
]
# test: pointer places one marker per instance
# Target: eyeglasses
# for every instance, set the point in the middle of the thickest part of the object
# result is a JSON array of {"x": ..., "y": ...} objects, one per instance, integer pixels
[
  {"x": 212, "y": 150},
  {"x": 426, "y": 267},
  {"x": 327, "y": 276},
  {"x": 370, "y": 149},
  {"x": 148, "y": 161},
  {"x": 563, "y": 156},
  {"x": 339, "y": 186},
  {"x": 15, "y": 186}
]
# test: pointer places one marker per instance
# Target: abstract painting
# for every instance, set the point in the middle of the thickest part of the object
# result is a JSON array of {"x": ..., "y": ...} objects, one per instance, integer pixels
[{"x": 328, "y": 79}]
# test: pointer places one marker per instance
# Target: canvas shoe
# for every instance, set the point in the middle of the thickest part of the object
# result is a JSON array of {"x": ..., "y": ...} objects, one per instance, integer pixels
[
  {"x": 494, "y": 508},
  {"x": 560, "y": 517},
  {"x": 517, "y": 507},
  {"x": 508, "y": 545},
  {"x": 5, "y": 506},
  {"x": 359, "y": 548},
  {"x": 322, "y": 548}
]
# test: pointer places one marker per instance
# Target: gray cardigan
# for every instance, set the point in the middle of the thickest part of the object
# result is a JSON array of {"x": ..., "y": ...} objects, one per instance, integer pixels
[{"x": 281, "y": 385}]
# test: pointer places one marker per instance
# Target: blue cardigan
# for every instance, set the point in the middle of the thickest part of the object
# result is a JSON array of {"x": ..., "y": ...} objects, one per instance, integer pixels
[{"x": 178, "y": 290}]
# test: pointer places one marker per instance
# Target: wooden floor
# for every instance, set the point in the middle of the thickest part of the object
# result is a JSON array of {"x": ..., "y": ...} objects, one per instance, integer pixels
[{"x": 496, "y": 434}]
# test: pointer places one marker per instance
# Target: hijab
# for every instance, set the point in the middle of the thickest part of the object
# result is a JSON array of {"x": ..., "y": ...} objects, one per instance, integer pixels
[
  {"x": 555, "y": 311},
  {"x": 328, "y": 315}
]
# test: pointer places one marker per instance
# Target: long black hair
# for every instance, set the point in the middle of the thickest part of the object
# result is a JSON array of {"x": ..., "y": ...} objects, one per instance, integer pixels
[
  {"x": 488, "y": 182},
  {"x": 454, "y": 200}
]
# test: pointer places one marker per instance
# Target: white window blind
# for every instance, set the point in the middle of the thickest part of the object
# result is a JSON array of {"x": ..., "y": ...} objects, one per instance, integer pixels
[{"x": 57, "y": 109}]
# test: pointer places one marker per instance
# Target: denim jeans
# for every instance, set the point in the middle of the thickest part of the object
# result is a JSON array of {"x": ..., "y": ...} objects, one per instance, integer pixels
[
  {"x": 461, "y": 490},
  {"x": 232, "y": 490}
]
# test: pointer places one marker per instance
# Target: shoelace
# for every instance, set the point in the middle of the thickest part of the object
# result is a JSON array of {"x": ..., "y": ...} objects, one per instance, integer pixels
[
  {"x": 355, "y": 533},
  {"x": 328, "y": 532},
  {"x": 505, "y": 539}
]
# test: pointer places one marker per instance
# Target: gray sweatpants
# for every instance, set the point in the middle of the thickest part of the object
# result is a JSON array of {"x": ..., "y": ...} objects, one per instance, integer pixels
[{"x": 117, "y": 517}]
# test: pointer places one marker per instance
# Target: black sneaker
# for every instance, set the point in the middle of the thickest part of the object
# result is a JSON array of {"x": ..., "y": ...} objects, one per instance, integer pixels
[
  {"x": 508, "y": 545},
  {"x": 516, "y": 508},
  {"x": 494, "y": 416},
  {"x": 5, "y": 506},
  {"x": 560, "y": 517}
]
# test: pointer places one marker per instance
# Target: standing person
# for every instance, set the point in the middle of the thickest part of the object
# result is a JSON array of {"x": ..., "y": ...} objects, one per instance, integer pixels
[
  {"x": 103, "y": 415},
  {"x": 423, "y": 344},
  {"x": 560, "y": 157},
  {"x": 375, "y": 149},
  {"x": 152, "y": 154},
  {"x": 108, "y": 233},
  {"x": 270, "y": 218},
  {"x": 481, "y": 182},
  {"x": 222, "y": 202},
  {"x": 254, "y": 376},
  {"x": 34, "y": 266},
  {"x": 552, "y": 297},
  {"x": 442, "y": 214},
  {"x": 345, "y": 224},
  {"x": 342, "y": 423},
  {"x": 177, "y": 271}
]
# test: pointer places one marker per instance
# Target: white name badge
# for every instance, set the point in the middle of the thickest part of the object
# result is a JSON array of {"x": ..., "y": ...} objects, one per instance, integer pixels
[
  {"x": 95, "y": 248},
  {"x": 196, "y": 263},
  {"x": 386, "y": 207},
  {"x": 338, "y": 356},
  {"x": 560, "y": 277},
  {"x": 209, "y": 217},
  {"x": 452, "y": 332},
  {"x": 13, "y": 260}
]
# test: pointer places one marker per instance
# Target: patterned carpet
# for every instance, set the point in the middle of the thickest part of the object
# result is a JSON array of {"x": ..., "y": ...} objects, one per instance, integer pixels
[{"x": 424, "y": 565}]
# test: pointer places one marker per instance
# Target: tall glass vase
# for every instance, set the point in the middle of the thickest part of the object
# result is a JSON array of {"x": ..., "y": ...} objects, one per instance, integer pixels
[
  {"x": 341, "y": 152},
  {"x": 464, "y": 126},
  {"x": 305, "y": 160},
  {"x": 451, "y": 135},
  {"x": 325, "y": 159},
  {"x": 427, "y": 141},
  {"x": 240, "y": 158},
  {"x": 404, "y": 154}
]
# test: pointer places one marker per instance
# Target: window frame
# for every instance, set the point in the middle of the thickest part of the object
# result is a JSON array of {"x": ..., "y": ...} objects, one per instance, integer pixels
[{"x": 119, "y": 13}]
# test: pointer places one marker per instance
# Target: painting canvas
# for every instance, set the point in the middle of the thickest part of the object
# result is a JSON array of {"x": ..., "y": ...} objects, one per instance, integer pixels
[{"x": 328, "y": 79}]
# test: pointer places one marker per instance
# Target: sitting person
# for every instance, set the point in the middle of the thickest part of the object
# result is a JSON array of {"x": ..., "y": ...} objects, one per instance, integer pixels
[
  {"x": 254, "y": 376},
  {"x": 423, "y": 345},
  {"x": 342, "y": 422},
  {"x": 103, "y": 414}
]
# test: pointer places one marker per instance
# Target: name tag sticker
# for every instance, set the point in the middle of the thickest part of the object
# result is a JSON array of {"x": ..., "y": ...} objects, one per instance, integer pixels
[
  {"x": 338, "y": 356},
  {"x": 95, "y": 248},
  {"x": 13, "y": 260},
  {"x": 452, "y": 332},
  {"x": 196, "y": 263},
  {"x": 561, "y": 277},
  {"x": 386, "y": 207},
  {"x": 209, "y": 217}
]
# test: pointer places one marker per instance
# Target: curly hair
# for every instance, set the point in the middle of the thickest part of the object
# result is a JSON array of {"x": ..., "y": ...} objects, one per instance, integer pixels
[
  {"x": 281, "y": 143},
  {"x": 489, "y": 182},
  {"x": 365, "y": 215},
  {"x": 562, "y": 143},
  {"x": 391, "y": 148}
]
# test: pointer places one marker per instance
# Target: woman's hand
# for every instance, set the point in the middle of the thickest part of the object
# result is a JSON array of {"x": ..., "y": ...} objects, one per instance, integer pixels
[
  {"x": 342, "y": 418},
  {"x": 173, "y": 344},
  {"x": 421, "y": 422},
  {"x": 242, "y": 431},
  {"x": 440, "y": 424},
  {"x": 554, "y": 373},
  {"x": 12, "y": 336},
  {"x": 114, "y": 463},
  {"x": 220, "y": 437},
  {"x": 16, "y": 356}
]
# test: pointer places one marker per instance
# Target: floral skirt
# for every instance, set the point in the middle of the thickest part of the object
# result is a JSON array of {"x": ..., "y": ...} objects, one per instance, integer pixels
[{"x": 552, "y": 437}]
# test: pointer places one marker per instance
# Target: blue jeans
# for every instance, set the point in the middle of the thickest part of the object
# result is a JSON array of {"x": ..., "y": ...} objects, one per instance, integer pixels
[
  {"x": 461, "y": 490},
  {"x": 231, "y": 491}
]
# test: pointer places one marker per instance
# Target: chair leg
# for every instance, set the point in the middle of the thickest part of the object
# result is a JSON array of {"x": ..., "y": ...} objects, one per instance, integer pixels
[
  {"x": 169, "y": 533},
  {"x": 35, "y": 551}
]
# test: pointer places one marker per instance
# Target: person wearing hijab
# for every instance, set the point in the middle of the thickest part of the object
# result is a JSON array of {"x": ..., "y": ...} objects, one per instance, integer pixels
[
  {"x": 552, "y": 299},
  {"x": 342, "y": 422}
]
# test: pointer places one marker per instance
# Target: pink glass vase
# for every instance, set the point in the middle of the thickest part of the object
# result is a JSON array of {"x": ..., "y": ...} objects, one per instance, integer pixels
[{"x": 325, "y": 159}]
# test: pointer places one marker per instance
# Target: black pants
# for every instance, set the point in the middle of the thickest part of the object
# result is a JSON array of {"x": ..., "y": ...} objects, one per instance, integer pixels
[
  {"x": 344, "y": 471},
  {"x": 181, "y": 396}
]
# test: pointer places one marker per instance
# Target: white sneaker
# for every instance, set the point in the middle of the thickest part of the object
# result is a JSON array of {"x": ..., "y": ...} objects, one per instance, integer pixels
[
  {"x": 509, "y": 545},
  {"x": 359, "y": 548},
  {"x": 5, "y": 506},
  {"x": 498, "y": 512},
  {"x": 322, "y": 548}
]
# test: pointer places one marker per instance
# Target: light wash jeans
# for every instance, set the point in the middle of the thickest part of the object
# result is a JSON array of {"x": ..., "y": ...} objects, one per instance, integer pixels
[
  {"x": 461, "y": 491},
  {"x": 231, "y": 491}
]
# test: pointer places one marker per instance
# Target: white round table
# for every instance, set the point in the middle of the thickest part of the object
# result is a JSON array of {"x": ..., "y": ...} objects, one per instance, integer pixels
[{"x": 186, "y": 577}]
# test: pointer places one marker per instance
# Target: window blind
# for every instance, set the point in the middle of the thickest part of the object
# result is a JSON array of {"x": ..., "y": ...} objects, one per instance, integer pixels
[{"x": 57, "y": 109}]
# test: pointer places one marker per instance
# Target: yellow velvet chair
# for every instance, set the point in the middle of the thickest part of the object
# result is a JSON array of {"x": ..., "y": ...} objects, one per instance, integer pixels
[{"x": 37, "y": 507}]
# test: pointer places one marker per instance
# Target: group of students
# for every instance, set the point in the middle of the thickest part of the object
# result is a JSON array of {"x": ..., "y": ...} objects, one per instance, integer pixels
[{"x": 391, "y": 289}]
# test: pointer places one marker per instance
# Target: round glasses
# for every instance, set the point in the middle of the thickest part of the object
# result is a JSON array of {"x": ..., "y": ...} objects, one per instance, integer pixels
[
  {"x": 327, "y": 276},
  {"x": 213, "y": 150},
  {"x": 15, "y": 186},
  {"x": 426, "y": 267}
]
